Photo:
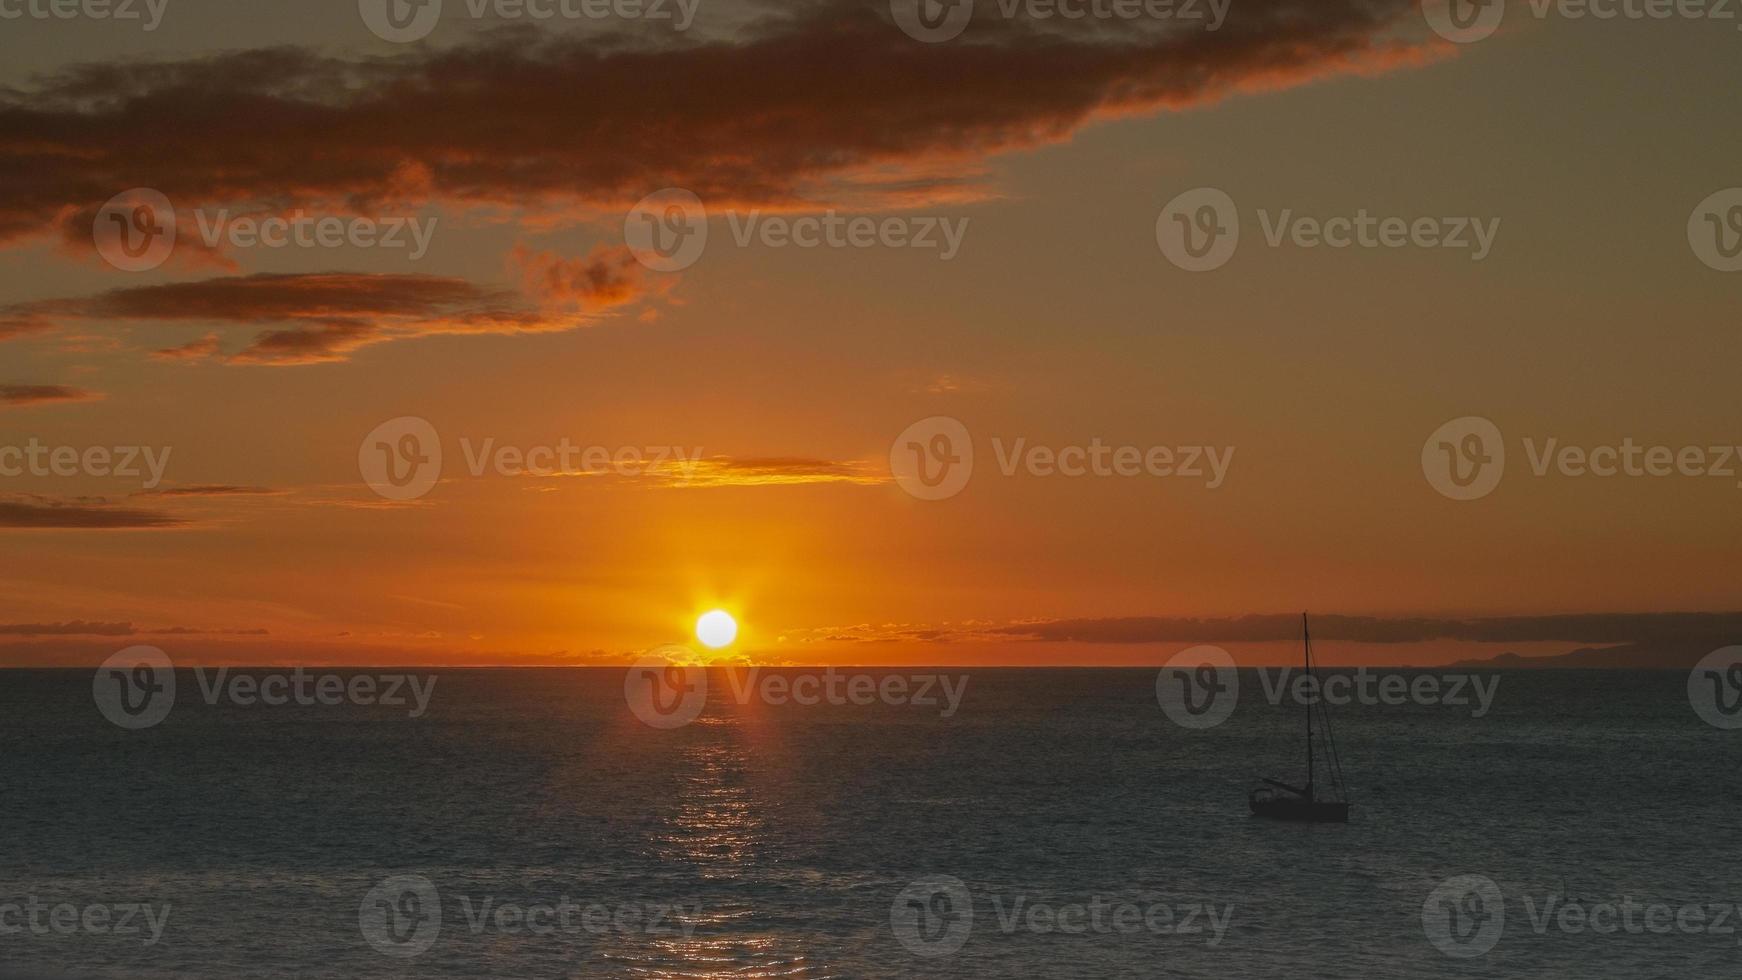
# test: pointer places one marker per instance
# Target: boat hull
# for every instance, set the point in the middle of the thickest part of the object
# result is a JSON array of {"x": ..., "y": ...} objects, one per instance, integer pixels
[{"x": 1301, "y": 811}]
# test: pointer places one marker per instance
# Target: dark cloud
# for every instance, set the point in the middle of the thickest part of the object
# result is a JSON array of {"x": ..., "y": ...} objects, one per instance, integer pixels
[
  {"x": 74, "y": 628},
  {"x": 81, "y": 515},
  {"x": 823, "y": 102},
  {"x": 325, "y": 316},
  {"x": 1691, "y": 629},
  {"x": 43, "y": 394},
  {"x": 211, "y": 490},
  {"x": 1577, "y": 628}
]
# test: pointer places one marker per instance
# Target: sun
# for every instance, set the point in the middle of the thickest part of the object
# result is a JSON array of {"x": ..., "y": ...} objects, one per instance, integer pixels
[{"x": 716, "y": 628}]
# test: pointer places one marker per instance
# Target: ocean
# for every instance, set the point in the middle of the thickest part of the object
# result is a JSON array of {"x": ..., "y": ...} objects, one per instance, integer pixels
[{"x": 1054, "y": 823}]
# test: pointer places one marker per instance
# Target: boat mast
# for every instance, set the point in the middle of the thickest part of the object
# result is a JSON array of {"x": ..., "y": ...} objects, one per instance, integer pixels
[{"x": 1307, "y": 644}]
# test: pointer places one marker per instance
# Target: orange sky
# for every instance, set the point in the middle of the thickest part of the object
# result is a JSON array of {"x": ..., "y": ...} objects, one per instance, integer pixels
[{"x": 787, "y": 375}]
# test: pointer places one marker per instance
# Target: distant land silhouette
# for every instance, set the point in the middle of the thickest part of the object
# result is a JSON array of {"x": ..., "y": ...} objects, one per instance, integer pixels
[{"x": 1655, "y": 655}]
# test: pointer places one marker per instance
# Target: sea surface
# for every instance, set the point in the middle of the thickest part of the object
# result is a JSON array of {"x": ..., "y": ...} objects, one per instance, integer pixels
[{"x": 786, "y": 840}]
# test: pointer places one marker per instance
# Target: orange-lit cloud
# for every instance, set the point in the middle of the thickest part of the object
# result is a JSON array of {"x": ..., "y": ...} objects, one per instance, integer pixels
[
  {"x": 43, "y": 394},
  {"x": 828, "y": 103},
  {"x": 320, "y": 316},
  {"x": 725, "y": 471},
  {"x": 80, "y": 515}
]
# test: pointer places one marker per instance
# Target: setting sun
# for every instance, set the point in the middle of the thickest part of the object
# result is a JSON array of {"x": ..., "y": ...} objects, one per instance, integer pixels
[{"x": 716, "y": 628}]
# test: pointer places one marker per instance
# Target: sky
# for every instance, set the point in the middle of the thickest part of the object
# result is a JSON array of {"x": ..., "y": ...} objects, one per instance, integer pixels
[{"x": 521, "y": 235}]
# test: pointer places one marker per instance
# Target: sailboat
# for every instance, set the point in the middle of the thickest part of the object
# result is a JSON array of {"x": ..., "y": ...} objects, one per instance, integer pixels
[{"x": 1314, "y": 802}]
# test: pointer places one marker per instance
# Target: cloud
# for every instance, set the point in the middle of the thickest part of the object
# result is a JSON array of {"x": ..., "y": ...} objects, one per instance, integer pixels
[
  {"x": 323, "y": 316},
  {"x": 607, "y": 276},
  {"x": 725, "y": 471},
  {"x": 35, "y": 513},
  {"x": 74, "y": 628},
  {"x": 194, "y": 350},
  {"x": 212, "y": 490},
  {"x": 819, "y": 103},
  {"x": 1593, "y": 628},
  {"x": 44, "y": 394},
  {"x": 83, "y": 628}
]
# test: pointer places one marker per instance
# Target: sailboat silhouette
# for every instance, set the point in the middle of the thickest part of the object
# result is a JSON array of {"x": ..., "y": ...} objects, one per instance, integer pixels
[{"x": 1280, "y": 801}]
